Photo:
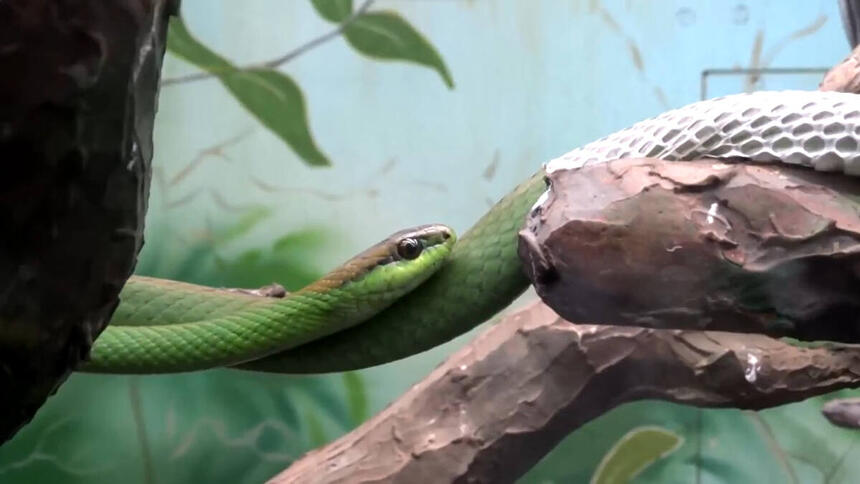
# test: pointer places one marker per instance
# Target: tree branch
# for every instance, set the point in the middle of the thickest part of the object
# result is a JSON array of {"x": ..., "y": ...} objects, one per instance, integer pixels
[
  {"x": 497, "y": 406},
  {"x": 743, "y": 247},
  {"x": 278, "y": 60}
]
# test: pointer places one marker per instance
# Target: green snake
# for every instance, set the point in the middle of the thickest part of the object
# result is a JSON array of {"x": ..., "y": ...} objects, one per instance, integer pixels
[
  {"x": 381, "y": 306},
  {"x": 167, "y": 326}
]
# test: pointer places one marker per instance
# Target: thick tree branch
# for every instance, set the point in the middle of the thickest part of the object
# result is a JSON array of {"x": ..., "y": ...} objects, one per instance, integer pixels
[
  {"x": 702, "y": 244},
  {"x": 498, "y": 405}
]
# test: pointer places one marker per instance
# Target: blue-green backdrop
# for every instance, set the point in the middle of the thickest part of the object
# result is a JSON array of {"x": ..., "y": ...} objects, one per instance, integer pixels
[{"x": 515, "y": 84}]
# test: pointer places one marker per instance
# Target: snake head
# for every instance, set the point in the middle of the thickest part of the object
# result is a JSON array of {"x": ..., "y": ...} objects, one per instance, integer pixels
[
  {"x": 409, "y": 257},
  {"x": 395, "y": 265},
  {"x": 410, "y": 244}
]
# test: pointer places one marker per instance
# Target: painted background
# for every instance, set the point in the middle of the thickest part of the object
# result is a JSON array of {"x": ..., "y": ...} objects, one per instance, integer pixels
[{"x": 231, "y": 204}]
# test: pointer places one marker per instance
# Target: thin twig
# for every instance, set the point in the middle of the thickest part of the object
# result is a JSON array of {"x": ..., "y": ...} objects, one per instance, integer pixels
[
  {"x": 216, "y": 150},
  {"x": 321, "y": 39},
  {"x": 279, "y": 60}
]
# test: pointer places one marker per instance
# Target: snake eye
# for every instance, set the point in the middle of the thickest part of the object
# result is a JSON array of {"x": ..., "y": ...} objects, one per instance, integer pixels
[{"x": 409, "y": 248}]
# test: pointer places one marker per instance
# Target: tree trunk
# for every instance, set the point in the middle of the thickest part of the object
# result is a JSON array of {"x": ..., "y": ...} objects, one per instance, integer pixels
[{"x": 78, "y": 95}]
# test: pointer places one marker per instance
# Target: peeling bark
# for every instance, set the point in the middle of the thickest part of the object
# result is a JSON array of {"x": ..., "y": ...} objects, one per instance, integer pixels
[
  {"x": 703, "y": 244},
  {"x": 498, "y": 405}
]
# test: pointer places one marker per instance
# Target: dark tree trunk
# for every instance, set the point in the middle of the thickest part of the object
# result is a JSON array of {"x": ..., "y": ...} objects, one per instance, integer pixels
[{"x": 78, "y": 89}]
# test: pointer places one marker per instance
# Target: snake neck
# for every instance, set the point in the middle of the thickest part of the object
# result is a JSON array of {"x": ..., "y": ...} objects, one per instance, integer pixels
[{"x": 482, "y": 277}]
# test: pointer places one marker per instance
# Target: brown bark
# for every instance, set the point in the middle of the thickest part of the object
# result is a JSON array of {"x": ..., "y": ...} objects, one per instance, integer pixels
[
  {"x": 845, "y": 76},
  {"x": 843, "y": 412},
  {"x": 703, "y": 244},
  {"x": 78, "y": 84},
  {"x": 495, "y": 407}
]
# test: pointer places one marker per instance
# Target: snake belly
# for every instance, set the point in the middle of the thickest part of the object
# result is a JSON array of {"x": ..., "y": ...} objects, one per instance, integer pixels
[{"x": 483, "y": 275}]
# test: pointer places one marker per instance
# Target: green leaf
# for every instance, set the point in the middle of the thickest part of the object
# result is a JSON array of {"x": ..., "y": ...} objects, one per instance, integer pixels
[
  {"x": 634, "y": 452},
  {"x": 333, "y": 10},
  {"x": 386, "y": 35},
  {"x": 288, "y": 262},
  {"x": 316, "y": 432},
  {"x": 241, "y": 227},
  {"x": 278, "y": 102},
  {"x": 356, "y": 396},
  {"x": 325, "y": 399},
  {"x": 301, "y": 240},
  {"x": 271, "y": 96},
  {"x": 195, "y": 262},
  {"x": 182, "y": 44}
]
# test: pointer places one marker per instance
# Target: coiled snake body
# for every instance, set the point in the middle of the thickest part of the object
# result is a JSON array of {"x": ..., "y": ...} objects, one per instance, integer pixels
[{"x": 319, "y": 328}]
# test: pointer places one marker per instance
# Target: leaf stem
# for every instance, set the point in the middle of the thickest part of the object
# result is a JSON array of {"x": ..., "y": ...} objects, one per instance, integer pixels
[{"x": 278, "y": 61}]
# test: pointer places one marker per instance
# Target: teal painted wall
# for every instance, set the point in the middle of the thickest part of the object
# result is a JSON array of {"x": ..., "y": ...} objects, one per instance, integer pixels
[{"x": 533, "y": 80}]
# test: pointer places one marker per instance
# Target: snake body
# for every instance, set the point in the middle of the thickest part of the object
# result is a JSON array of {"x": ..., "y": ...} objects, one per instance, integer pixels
[
  {"x": 482, "y": 274},
  {"x": 816, "y": 129},
  {"x": 166, "y": 326}
]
